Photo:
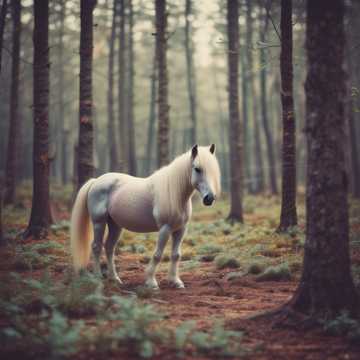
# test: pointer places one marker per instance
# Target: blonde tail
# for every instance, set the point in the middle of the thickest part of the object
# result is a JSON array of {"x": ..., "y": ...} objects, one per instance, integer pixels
[{"x": 80, "y": 229}]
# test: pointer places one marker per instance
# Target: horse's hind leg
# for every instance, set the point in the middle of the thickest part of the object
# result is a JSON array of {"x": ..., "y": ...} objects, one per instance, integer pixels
[
  {"x": 97, "y": 245},
  {"x": 110, "y": 245}
]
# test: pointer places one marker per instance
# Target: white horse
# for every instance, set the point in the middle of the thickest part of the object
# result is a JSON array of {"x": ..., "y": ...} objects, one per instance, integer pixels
[{"x": 160, "y": 202}]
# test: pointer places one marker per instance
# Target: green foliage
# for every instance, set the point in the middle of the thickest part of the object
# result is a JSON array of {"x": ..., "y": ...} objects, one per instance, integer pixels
[
  {"x": 219, "y": 342},
  {"x": 36, "y": 256},
  {"x": 256, "y": 267},
  {"x": 84, "y": 296},
  {"x": 225, "y": 261},
  {"x": 137, "y": 329},
  {"x": 208, "y": 249},
  {"x": 276, "y": 273},
  {"x": 207, "y": 257},
  {"x": 343, "y": 325},
  {"x": 49, "y": 335},
  {"x": 61, "y": 225},
  {"x": 182, "y": 334}
]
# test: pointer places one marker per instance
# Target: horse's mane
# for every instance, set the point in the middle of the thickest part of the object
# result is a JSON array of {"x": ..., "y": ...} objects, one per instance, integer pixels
[{"x": 172, "y": 183}]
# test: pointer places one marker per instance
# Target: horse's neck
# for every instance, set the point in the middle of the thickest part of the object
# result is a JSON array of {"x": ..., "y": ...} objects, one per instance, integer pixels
[{"x": 186, "y": 194}]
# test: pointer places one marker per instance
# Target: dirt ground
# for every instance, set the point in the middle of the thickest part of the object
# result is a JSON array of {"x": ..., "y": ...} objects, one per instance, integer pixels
[{"x": 210, "y": 294}]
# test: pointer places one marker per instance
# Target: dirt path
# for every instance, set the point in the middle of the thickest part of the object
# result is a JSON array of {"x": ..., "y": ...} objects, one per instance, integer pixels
[{"x": 209, "y": 296}]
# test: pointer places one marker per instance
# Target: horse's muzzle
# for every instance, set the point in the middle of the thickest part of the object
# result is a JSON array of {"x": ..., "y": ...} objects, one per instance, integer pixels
[{"x": 208, "y": 199}]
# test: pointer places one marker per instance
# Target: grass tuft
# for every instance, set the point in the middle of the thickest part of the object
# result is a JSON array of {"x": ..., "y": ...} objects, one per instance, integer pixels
[
  {"x": 276, "y": 273},
  {"x": 225, "y": 261}
]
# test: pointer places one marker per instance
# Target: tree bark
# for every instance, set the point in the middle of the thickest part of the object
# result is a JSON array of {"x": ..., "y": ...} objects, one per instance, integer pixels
[
  {"x": 64, "y": 131},
  {"x": 2, "y": 238},
  {"x": 288, "y": 215},
  {"x": 351, "y": 114},
  {"x": 235, "y": 129},
  {"x": 2, "y": 27},
  {"x": 190, "y": 71},
  {"x": 163, "y": 149},
  {"x": 40, "y": 217},
  {"x": 121, "y": 89},
  {"x": 113, "y": 156},
  {"x": 258, "y": 181},
  {"x": 264, "y": 110},
  {"x": 326, "y": 287},
  {"x": 152, "y": 116},
  {"x": 245, "y": 114},
  {"x": 86, "y": 136},
  {"x": 223, "y": 130},
  {"x": 13, "y": 138},
  {"x": 130, "y": 113}
]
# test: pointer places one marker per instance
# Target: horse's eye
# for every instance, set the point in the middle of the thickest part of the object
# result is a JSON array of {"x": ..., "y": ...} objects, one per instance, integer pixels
[{"x": 198, "y": 170}]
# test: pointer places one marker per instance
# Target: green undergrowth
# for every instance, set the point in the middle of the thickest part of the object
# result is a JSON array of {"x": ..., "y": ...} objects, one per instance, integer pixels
[
  {"x": 51, "y": 316},
  {"x": 47, "y": 320},
  {"x": 344, "y": 325}
]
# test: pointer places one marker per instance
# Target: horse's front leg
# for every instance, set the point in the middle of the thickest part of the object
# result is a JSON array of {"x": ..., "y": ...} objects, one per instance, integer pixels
[
  {"x": 175, "y": 258},
  {"x": 164, "y": 234}
]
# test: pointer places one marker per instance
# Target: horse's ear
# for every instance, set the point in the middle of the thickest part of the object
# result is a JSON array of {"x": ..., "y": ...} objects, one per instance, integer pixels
[
  {"x": 212, "y": 148},
  {"x": 194, "y": 151}
]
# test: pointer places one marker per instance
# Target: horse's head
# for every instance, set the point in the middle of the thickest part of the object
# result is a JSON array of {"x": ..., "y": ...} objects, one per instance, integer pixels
[{"x": 205, "y": 173}]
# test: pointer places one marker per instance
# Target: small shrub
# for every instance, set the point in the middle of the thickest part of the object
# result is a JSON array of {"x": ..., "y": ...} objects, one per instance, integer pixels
[
  {"x": 219, "y": 342},
  {"x": 49, "y": 335},
  {"x": 256, "y": 267},
  {"x": 225, "y": 261},
  {"x": 207, "y": 249},
  {"x": 275, "y": 273},
  {"x": 137, "y": 326},
  {"x": 182, "y": 334},
  {"x": 84, "y": 296},
  {"x": 343, "y": 325},
  {"x": 31, "y": 259},
  {"x": 207, "y": 258}
]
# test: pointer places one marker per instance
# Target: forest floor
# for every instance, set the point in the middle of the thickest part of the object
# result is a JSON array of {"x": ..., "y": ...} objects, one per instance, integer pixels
[{"x": 230, "y": 274}]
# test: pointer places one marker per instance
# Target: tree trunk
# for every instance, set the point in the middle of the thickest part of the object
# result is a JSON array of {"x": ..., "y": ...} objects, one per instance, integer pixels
[
  {"x": 2, "y": 27},
  {"x": 264, "y": 110},
  {"x": 245, "y": 113},
  {"x": 2, "y": 238},
  {"x": 13, "y": 138},
  {"x": 223, "y": 130},
  {"x": 113, "y": 158},
  {"x": 288, "y": 215},
  {"x": 86, "y": 136},
  {"x": 354, "y": 152},
  {"x": 163, "y": 106},
  {"x": 190, "y": 71},
  {"x": 258, "y": 181},
  {"x": 130, "y": 113},
  {"x": 350, "y": 112},
  {"x": 121, "y": 89},
  {"x": 63, "y": 133},
  {"x": 40, "y": 217},
  {"x": 326, "y": 287},
  {"x": 235, "y": 129},
  {"x": 152, "y": 117}
]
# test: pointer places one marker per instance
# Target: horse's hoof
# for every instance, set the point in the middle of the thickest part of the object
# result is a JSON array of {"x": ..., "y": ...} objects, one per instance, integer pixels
[
  {"x": 117, "y": 280},
  {"x": 152, "y": 284}
]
